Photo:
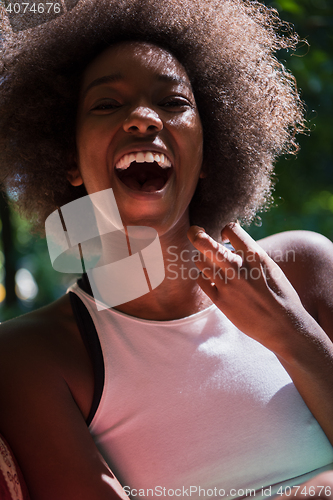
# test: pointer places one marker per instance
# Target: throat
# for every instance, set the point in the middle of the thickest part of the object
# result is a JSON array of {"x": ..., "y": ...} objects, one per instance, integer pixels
[
  {"x": 166, "y": 302},
  {"x": 146, "y": 177},
  {"x": 147, "y": 185}
]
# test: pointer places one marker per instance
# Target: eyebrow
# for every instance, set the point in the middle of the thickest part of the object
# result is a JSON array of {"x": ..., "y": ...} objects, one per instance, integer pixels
[
  {"x": 174, "y": 79},
  {"x": 116, "y": 77}
]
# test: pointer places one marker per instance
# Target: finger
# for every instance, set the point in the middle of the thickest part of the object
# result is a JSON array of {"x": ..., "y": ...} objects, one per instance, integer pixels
[
  {"x": 254, "y": 257},
  {"x": 212, "y": 250},
  {"x": 276, "y": 279},
  {"x": 242, "y": 241},
  {"x": 210, "y": 270},
  {"x": 221, "y": 276}
]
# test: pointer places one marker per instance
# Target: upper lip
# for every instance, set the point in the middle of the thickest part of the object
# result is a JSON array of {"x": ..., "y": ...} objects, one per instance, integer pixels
[{"x": 143, "y": 147}]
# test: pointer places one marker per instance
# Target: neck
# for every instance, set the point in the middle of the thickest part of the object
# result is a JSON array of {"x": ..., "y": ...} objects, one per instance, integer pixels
[{"x": 178, "y": 295}]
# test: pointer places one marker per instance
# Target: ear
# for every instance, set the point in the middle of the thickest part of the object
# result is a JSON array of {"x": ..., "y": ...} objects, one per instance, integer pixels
[
  {"x": 203, "y": 172},
  {"x": 73, "y": 174},
  {"x": 74, "y": 177}
]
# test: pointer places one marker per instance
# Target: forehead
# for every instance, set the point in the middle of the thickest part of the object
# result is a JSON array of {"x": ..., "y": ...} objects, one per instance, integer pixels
[{"x": 131, "y": 57}]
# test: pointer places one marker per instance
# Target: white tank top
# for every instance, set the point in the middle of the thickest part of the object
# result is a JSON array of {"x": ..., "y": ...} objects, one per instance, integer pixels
[{"x": 195, "y": 408}]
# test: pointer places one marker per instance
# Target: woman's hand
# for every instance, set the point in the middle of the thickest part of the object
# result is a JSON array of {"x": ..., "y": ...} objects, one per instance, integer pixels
[{"x": 249, "y": 287}]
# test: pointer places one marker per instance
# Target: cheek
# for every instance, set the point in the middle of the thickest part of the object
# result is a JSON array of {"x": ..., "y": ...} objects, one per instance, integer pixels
[
  {"x": 193, "y": 139},
  {"x": 91, "y": 142},
  {"x": 92, "y": 148},
  {"x": 192, "y": 157},
  {"x": 191, "y": 135},
  {"x": 195, "y": 131}
]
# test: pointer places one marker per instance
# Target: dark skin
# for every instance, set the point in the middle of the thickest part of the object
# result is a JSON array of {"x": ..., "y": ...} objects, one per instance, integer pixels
[{"x": 46, "y": 377}]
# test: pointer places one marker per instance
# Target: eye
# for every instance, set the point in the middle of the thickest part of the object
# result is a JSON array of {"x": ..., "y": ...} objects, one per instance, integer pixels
[
  {"x": 175, "y": 102},
  {"x": 106, "y": 105}
]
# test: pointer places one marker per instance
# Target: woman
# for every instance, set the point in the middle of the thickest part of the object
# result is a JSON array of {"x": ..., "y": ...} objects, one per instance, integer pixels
[{"x": 212, "y": 384}]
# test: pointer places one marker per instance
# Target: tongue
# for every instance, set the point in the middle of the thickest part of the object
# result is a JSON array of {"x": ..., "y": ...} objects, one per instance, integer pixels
[
  {"x": 146, "y": 177},
  {"x": 148, "y": 186},
  {"x": 153, "y": 184}
]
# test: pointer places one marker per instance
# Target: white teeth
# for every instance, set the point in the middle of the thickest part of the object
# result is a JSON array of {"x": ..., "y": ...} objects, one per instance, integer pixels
[
  {"x": 149, "y": 157},
  {"x": 141, "y": 157}
]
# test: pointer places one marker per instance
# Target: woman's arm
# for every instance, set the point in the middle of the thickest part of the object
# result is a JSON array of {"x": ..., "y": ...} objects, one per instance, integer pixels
[
  {"x": 254, "y": 293},
  {"x": 40, "y": 418}
]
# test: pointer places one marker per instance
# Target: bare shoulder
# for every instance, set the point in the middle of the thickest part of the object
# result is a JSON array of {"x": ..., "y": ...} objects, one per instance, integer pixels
[
  {"x": 307, "y": 260},
  {"x": 306, "y": 245},
  {"x": 26, "y": 339},
  {"x": 46, "y": 387},
  {"x": 39, "y": 325},
  {"x": 47, "y": 343}
]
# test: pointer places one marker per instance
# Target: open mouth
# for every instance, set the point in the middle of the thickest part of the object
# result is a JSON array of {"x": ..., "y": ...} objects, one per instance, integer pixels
[{"x": 144, "y": 171}]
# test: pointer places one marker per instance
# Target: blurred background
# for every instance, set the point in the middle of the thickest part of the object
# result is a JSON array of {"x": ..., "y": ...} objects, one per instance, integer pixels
[{"x": 304, "y": 185}]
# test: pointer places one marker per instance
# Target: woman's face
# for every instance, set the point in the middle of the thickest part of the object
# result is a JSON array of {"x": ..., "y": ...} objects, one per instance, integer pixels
[{"x": 139, "y": 133}]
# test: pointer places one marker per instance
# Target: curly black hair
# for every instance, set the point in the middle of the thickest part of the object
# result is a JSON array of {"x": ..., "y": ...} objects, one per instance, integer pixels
[{"x": 248, "y": 103}]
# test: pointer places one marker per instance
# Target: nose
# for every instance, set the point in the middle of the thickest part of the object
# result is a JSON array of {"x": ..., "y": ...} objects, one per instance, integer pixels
[{"x": 143, "y": 120}]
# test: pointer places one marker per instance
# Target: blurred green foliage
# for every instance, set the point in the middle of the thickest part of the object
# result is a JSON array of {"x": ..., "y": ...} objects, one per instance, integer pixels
[
  {"x": 31, "y": 254},
  {"x": 304, "y": 187}
]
